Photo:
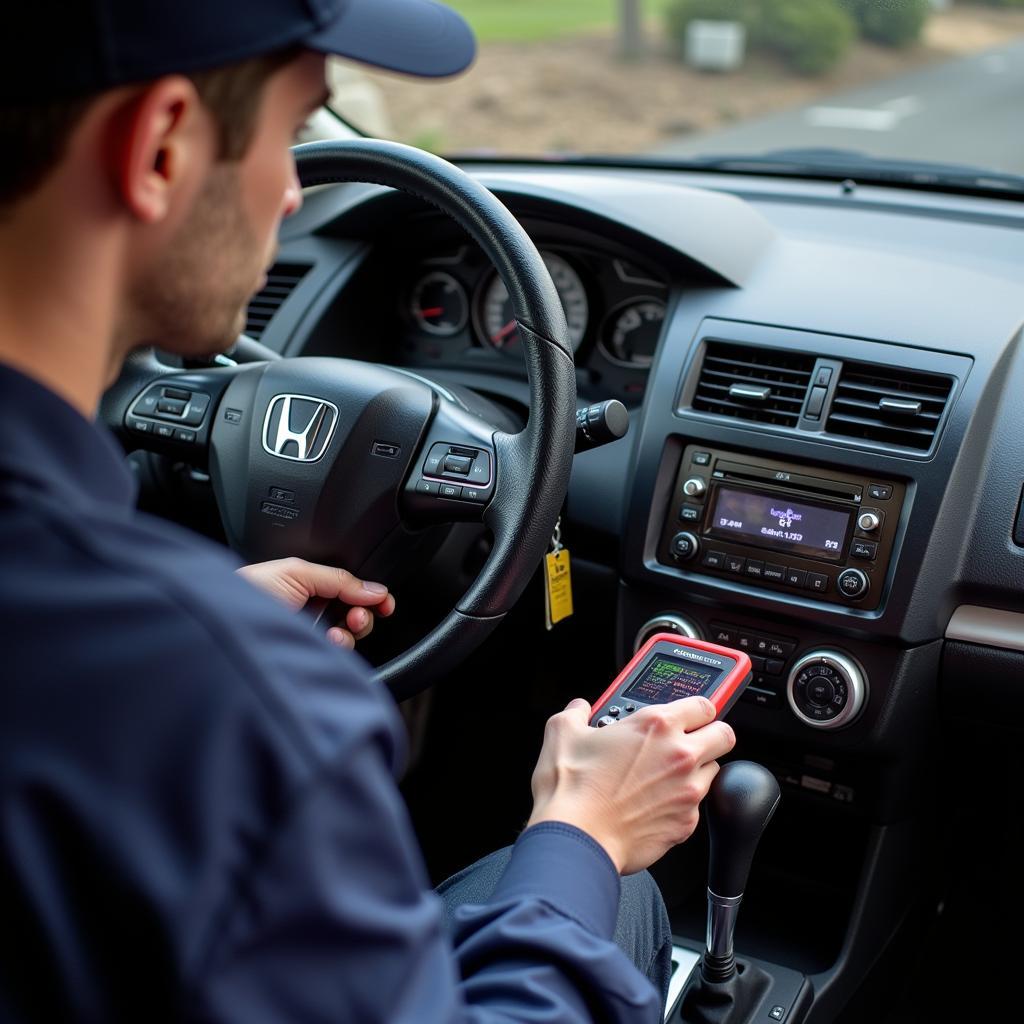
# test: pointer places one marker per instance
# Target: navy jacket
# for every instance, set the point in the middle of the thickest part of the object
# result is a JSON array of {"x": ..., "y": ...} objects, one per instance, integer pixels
[{"x": 198, "y": 813}]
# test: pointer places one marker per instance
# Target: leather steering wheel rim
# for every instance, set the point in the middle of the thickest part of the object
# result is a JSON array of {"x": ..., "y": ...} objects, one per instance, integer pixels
[{"x": 533, "y": 465}]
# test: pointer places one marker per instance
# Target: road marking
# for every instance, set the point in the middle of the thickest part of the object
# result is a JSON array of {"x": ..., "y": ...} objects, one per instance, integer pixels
[{"x": 883, "y": 118}]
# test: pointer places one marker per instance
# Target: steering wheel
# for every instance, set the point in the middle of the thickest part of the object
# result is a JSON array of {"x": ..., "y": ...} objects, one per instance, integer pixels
[{"x": 343, "y": 462}]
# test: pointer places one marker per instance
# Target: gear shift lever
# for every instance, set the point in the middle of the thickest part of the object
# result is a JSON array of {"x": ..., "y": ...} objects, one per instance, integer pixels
[{"x": 740, "y": 803}]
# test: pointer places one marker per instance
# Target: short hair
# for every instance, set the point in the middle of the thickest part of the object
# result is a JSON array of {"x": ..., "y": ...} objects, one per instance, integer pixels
[{"x": 34, "y": 135}]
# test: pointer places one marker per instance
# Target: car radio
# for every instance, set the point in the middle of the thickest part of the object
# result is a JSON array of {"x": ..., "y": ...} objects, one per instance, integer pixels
[{"x": 822, "y": 533}]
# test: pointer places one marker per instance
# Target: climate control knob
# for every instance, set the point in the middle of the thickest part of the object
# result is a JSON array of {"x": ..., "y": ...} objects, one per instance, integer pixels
[
  {"x": 852, "y": 583},
  {"x": 694, "y": 487},
  {"x": 826, "y": 689},
  {"x": 869, "y": 521},
  {"x": 667, "y": 622},
  {"x": 684, "y": 546}
]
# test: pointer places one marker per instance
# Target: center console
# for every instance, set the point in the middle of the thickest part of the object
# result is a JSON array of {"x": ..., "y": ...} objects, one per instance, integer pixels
[{"x": 823, "y": 533}]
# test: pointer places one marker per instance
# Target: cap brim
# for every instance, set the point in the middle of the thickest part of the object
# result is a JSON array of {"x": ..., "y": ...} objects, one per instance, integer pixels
[{"x": 414, "y": 37}]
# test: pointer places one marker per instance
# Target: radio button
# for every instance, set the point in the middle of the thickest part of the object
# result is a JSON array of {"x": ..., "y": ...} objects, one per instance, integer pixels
[
  {"x": 684, "y": 546},
  {"x": 780, "y": 648},
  {"x": 714, "y": 560},
  {"x": 852, "y": 583},
  {"x": 880, "y": 492},
  {"x": 690, "y": 513},
  {"x": 818, "y": 582},
  {"x": 755, "y": 568},
  {"x": 757, "y": 663},
  {"x": 724, "y": 635},
  {"x": 775, "y": 573},
  {"x": 865, "y": 549},
  {"x": 702, "y": 458},
  {"x": 746, "y": 641},
  {"x": 694, "y": 487},
  {"x": 735, "y": 563},
  {"x": 869, "y": 520},
  {"x": 796, "y": 578},
  {"x": 774, "y": 666}
]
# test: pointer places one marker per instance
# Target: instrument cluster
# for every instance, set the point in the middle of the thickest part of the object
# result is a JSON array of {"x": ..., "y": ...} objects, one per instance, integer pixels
[{"x": 456, "y": 308}]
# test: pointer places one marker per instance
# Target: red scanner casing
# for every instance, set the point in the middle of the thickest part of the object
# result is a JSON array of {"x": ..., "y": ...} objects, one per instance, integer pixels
[{"x": 723, "y": 693}]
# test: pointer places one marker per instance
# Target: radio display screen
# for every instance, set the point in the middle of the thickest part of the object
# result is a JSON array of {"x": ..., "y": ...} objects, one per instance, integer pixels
[
  {"x": 775, "y": 522},
  {"x": 665, "y": 679}
]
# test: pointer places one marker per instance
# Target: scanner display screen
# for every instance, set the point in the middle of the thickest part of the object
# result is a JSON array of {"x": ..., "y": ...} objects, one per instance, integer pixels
[{"x": 666, "y": 679}]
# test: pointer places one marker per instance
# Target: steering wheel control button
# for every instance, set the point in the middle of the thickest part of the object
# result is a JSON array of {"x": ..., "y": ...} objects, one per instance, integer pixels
[
  {"x": 459, "y": 464},
  {"x": 695, "y": 487},
  {"x": 869, "y": 520},
  {"x": 684, "y": 546},
  {"x": 174, "y": 408},
  {"x": 880, "y": 492},
  {"x": 185, "y": 436},
  {"x": 474, "y": 494},
  {"x": 164, "y": 431},
  {"x": 233, "y": 415},
  {"x": 714, "y": 560},
  {"x": 427, "y": 487},
  {"x": 826, "y": 689},
  {"x": 198, "y": 403},
  {"x": 450, "y": 491},
  {"x": 384, "y": 450},
  {"x": 818, "y": 582},
  {"x": 139, "y": 426},
  {"x": 852, "y": 583}
]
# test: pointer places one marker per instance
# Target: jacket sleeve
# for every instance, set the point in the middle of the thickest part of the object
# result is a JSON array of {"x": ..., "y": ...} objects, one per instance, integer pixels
[{"x": 336, "y": 922}]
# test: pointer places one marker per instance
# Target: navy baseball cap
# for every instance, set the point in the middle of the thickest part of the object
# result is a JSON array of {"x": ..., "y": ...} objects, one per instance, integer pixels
[{"x": 53, "y": 49}]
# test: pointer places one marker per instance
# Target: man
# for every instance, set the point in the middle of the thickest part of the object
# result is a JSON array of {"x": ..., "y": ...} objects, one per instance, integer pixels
[{"x": 198, "y": 818}]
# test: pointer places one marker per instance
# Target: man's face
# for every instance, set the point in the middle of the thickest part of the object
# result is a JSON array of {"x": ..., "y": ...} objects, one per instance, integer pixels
[{"x": 193, "y": 299}]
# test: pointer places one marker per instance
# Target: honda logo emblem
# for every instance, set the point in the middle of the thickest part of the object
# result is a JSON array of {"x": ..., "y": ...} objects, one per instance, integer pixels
[{"x": 298, "y": 427}]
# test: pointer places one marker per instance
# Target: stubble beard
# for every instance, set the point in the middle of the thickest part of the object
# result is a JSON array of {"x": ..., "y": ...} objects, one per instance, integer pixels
[{"x": 194, "y": 301}]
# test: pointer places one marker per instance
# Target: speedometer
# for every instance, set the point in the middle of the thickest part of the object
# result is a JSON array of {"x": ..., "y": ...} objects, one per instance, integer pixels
[{"x": 498, "y": 324}]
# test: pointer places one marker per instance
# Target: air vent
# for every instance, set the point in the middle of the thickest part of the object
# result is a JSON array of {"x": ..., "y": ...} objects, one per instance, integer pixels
[
  {"x": 893, "y": 406},
  {"x": 766, "y": 385},
  {"x": 281, "y": 281}
]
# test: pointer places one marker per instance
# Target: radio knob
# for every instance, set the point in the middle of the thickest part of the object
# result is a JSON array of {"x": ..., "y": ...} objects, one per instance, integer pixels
[
  {"x": 852, "y": 583},
  {"x": 694, "y": 487},
  {"x": 684, "y": 546},
  {"x": 667, "y": 622},
  {"x": 826, "y": 689},
  {"x": 869, "y": 521}
]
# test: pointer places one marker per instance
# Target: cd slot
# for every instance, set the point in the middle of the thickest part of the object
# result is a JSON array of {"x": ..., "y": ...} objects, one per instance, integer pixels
[{"x": 738, "y": 472}]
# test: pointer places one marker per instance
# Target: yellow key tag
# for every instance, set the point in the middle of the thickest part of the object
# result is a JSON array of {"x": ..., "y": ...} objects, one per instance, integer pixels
[{"x": 558, "y": 587}]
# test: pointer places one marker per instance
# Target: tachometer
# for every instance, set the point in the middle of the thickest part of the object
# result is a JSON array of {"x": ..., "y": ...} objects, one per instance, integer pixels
[
  {"x": 438, "y": 304},
  {"x": 631, "y": 333},
  {"x": 499, "y": 325}
]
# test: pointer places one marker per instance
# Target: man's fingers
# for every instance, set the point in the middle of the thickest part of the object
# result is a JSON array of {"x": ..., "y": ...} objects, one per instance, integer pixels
[
  {"x": 359, "y": 622},
  {"x": 331, "y": 582},
  {"x": 341, "y": 637},
  {"x": 687, "y": 714}
]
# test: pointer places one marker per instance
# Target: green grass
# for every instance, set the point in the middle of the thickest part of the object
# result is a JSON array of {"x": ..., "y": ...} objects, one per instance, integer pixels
[{"x": 529, "y": 20}]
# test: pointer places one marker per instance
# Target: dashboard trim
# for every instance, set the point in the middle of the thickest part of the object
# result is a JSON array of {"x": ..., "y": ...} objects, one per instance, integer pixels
[{"x": 990, "y": 627}]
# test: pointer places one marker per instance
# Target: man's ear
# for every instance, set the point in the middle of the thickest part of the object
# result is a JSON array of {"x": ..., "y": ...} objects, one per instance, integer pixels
[{"x": 161, "y": 142}]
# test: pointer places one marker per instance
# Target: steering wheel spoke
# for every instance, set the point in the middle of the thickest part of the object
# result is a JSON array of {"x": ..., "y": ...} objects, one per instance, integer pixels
[
  {"x": 170, "y": 412},
  {"x": 454, "y": 475}
]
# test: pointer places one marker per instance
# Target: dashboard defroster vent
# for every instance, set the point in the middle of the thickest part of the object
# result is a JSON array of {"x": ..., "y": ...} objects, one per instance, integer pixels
[
  {"x": 890, "y": 405},
  {"x": 764, "y": 385},
  {"x": 282, "y": 279}
]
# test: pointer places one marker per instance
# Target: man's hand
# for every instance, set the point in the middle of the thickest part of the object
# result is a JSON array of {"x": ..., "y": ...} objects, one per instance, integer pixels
[
  {"x": 295, "y": 581},
  {"x": 635, "y": 786}
]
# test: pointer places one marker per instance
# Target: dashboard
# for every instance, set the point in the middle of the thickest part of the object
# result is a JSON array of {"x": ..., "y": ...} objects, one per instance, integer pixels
[{"x": 824, "y": 464}]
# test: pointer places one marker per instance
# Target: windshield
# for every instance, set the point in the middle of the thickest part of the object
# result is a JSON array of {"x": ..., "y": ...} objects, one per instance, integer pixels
[{"x": 826, "y": 82}]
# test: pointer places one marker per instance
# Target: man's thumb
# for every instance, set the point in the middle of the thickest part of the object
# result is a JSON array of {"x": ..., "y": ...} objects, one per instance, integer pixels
[{"x": 579, "y": 704}]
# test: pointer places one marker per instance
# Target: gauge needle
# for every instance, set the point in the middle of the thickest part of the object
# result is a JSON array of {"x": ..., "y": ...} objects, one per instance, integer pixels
[
  {"x": 432, "y": 311},
  {"x": 499, "y": 338}
]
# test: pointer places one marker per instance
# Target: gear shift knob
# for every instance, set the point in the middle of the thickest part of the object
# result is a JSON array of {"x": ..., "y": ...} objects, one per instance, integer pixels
[{"x": 739, "y": 805}]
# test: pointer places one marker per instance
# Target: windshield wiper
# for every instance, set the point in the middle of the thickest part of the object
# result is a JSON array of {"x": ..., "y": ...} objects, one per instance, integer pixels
[
  {"x": 837, "y": 165},
  {"x": 841, "y": 164}
]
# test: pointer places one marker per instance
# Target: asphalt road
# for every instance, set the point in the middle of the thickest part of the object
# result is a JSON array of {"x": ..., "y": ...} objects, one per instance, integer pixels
[{"x": 969, "y": 110}]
